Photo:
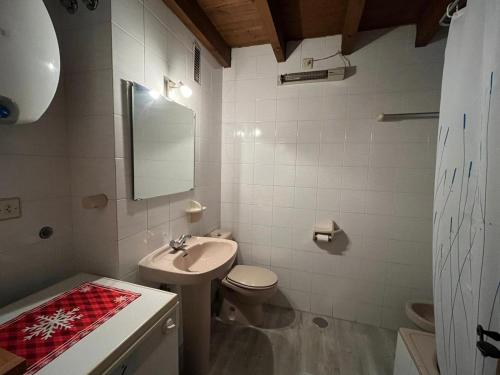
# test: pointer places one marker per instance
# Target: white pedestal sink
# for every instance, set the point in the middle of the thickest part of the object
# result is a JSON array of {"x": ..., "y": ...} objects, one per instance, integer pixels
[{"x": 203, "y": 260}]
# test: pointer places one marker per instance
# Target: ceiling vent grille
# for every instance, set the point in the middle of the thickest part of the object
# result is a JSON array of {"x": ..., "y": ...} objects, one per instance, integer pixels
[
  {"x": 336, "y": 74},
  {"x": 197, "y": 63}
]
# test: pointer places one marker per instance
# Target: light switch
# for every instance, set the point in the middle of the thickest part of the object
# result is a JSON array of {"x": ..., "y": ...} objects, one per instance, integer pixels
[{"x": 10, "y": 208}]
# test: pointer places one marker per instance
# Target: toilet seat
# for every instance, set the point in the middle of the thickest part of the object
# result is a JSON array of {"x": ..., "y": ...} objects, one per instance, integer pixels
[{"x": 251, "y": 277}]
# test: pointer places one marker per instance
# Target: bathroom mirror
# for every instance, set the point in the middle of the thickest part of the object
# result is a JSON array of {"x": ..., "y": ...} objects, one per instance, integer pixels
[{"x": 162, "y": 144}]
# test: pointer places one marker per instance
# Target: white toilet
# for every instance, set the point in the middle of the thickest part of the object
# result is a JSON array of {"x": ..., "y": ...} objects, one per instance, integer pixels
[{"x": 244, "y": 290}]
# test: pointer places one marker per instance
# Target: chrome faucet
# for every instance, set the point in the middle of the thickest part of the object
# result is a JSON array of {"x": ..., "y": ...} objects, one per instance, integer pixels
[{"x": 179, "y": 243}]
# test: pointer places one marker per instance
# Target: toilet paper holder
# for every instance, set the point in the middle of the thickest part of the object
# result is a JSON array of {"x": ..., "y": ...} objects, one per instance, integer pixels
[{"x": 329, "y": 230}]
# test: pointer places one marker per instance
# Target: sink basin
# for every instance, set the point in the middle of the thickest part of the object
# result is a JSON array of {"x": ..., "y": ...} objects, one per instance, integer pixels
[{"x": 203, "y": 259}]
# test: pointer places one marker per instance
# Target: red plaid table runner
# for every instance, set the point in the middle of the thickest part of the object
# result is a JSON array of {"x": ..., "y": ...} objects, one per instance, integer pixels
[{"x": 45, "y": 332}]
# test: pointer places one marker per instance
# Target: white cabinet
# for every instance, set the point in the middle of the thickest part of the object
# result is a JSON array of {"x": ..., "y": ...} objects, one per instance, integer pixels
[
  {"x": 140, "y": 339},
  {"x": 415, "y": 353},
  {"x": 154, "y": 354},
  {"x": 403, "y": 363}
]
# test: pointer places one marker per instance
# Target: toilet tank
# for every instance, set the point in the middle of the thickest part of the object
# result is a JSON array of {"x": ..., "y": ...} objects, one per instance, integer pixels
[
  {"x": 29, "y": 61},
  {"x": 220, "y": 233}
]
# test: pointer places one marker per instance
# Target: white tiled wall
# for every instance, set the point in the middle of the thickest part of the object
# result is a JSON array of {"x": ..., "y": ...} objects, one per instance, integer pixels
[
  {"x": 81, "y": 147},
  {"x": 291, "y": 156},
  {"x": 35, "y": 167},
  {"x": 297, "y": 155},
  {"x": 149, "y": 44},
  {"x": 87, "y": 67}
]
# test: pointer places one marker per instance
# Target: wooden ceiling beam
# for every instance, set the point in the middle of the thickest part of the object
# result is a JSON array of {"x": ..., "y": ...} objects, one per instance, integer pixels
[
  {"x": 195, "y": 19},
  {"x": 274, "y": 32},
  {"x": 352, "y": 19},
  {"x": 428, "y": 22}
]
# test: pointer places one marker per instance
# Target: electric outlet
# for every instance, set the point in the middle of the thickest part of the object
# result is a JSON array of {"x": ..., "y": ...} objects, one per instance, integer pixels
[
  {"x": 307, "y": 63},
  {"x": 10, "y": 208}
]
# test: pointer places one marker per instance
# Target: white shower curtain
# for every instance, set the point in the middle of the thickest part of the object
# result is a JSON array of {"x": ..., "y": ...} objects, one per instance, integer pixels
[{"x": 466, "y": 232}]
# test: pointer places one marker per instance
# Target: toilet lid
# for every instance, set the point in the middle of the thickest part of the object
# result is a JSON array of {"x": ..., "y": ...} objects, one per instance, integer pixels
[{"x": 252, "y": 277}]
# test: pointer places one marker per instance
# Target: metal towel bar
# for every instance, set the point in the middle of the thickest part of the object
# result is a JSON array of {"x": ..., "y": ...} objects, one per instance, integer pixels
[{"x": 406, "y": 116}]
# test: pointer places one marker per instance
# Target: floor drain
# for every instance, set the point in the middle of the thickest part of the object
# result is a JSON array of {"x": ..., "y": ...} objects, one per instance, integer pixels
[{"x": 320, "y": 322}]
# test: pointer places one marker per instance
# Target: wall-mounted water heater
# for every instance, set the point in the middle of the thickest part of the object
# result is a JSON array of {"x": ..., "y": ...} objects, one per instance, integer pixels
[{"x": 29, "y": 61}]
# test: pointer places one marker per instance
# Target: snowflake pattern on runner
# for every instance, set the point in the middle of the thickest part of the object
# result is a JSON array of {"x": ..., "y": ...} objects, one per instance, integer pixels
[
  {"x": 121, "y": 299},
  {"x": 48, "y": 324},
  {"x": 85, "y": 289}
]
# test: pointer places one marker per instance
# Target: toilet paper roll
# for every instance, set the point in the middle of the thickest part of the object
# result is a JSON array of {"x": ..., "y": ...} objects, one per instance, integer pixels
[{"x": 322, "y": 237}]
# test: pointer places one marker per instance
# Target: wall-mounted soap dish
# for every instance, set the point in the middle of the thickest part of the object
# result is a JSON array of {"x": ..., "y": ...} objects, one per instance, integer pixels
[
  {"x": 195, "y": 207},
  {"x": 95, "y": 201}
]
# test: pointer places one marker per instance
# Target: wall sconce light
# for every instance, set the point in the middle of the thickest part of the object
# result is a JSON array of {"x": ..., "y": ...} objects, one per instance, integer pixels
[{"x": 184, "y": 89}]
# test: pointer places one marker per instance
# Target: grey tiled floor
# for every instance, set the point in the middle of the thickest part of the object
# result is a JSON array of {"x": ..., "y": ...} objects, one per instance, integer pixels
[{"x": 291, "y": 344}]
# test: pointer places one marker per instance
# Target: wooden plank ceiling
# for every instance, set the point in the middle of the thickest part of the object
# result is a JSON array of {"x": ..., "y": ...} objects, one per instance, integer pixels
[{"x": 225, "y": 24}]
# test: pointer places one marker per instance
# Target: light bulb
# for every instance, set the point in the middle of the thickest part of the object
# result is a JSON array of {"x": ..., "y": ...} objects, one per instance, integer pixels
[
  {"x": 185, "y": 90},
  {"x": 154, "y": 94}
]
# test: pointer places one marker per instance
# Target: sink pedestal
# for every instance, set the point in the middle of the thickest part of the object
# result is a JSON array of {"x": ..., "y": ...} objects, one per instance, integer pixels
[
  {"x": 196, "y": 328},
  {"x": 204, "y": 259}
]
